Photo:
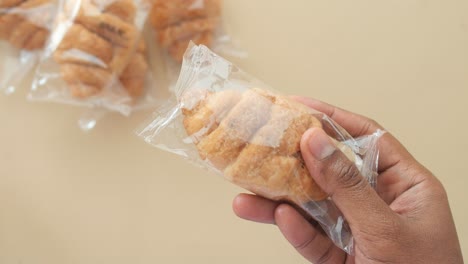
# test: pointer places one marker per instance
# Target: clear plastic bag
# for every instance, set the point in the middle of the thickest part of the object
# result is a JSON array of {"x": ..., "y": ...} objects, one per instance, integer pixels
[
  {"x": 225, "y": 120},
  {"x": 95, "y": 56},
  {"x": 152, "y": 97},
  {"x": 177, "y": 22},
  {"x": 24, "y": 29}
]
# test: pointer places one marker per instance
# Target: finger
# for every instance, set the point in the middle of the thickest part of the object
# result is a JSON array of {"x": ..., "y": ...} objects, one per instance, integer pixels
[
  {"x": 309, "y": 241},
  {"x": 391, "y": 150},
  {"x": 341, "y": 179},
  {"x": 254, "y": 208},
  {"x": 355, "y": 124},
  {"x": 394, "y": 159}
]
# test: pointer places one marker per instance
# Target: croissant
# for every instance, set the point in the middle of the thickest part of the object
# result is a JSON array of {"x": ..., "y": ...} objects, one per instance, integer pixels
[
  {"x": 23, "y": 23},
  {"x": 178, "y": 22},
  {"x": 101, "y": 45},
  {"x": 254, "y": 139}
]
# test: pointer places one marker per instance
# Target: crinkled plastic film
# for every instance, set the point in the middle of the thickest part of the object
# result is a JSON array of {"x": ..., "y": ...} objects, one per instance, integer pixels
[
  {"x": 224, "y": 120},
  {"x": 24, "y": 29},
  {"x": 177, "y": 22},
  {"x": 95, "y": 56}
]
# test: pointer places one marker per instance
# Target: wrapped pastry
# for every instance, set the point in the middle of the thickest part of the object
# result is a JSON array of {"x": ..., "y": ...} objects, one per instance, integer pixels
[
  {"x": 225, "y": 120},
  {"x": 177, "y": 22},
  {"x": 254, "y": 139},
  {"x": 25, "y": 23},
  {"x": 24, "y": 29},
  {"x": 98, "y": 53},
  {"x": 97, "y": 48}
]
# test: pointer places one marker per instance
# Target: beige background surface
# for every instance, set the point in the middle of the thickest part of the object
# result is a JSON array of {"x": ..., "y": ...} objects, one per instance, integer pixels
[{"x": 107, "y": 197}]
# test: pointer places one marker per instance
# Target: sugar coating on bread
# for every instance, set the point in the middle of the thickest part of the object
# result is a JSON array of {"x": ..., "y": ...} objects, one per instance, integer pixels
[
  {"x": 225, "y": 143},
  {"x": 254, "y": 139},
  {"x": 206, "y": 115},
  {"x": 273, "y": 158}
]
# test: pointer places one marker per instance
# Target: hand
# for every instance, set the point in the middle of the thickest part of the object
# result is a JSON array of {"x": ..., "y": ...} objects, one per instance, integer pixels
[{"x": 407, "y": 219}]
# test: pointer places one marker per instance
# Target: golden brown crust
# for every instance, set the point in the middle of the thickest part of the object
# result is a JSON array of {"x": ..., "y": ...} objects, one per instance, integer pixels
[
  {"x": 276, "y": 146},
  {"x": 206, "y": 116},
  {"x": 166, "y": 13},
  {"x": 33, "y": 3},
  {"x": 225, "y": 143},
  {"x": 103, "y": 44},
  {"x": 84, "y": 80},
  {"x": 255, "y": 141},
  {"x": 93, "y": 49},
  {"x": 178, "y": 22},
  {"x": 9, "y": 3},
  {"x": 123, "y": 9},
  {"x": 7, "y": 25},
  {"x": 19, "y": 29},
  {"x": 21, "y": 33},
  {"x": 110, "y": 28},
  {"x": 133, "y": 77},
  {"x": 186, "y": 30},
  {"x": 37, "y": 40},
  {"x": 177, "y": 49}
]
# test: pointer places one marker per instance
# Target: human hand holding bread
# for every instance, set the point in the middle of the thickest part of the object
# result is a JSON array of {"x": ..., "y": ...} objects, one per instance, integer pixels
[
  {"x": 264, "y": 142},
  {"x": 310, "y": 166},
  {"x": 224, "y": 120},
  {"x": 407, "y": 219}
]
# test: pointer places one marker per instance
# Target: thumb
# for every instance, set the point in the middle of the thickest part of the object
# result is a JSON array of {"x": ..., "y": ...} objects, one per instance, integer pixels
[{"x": 343, "y": 182}]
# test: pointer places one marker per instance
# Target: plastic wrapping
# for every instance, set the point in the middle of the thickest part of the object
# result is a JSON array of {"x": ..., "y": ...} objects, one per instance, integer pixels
[
  {"x": 95, "y": 56},
  {"x": 224, "y": 120},
  {"x": 24, "y": 29},
  {"x": 177, "y": 22}
]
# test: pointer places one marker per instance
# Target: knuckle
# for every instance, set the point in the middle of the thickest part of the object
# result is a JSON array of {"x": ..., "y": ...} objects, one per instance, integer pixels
[
  {"x": 348, "y": 176},
  {"x": 373, "y": 123},
  {"x": 369, "y": 126}
]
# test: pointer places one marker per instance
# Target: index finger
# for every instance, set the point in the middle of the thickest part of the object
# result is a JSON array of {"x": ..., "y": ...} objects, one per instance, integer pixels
[
  {"x": 391, "y": 150},
  {"x": 355, "y": 124}
]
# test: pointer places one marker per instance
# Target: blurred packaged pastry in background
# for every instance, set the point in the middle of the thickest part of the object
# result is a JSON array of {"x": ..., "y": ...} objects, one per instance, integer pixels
[
  {"x": 177, "y": 22},
  {"x": 24, "y": 29},
  {"x": 95, "y": 56}
]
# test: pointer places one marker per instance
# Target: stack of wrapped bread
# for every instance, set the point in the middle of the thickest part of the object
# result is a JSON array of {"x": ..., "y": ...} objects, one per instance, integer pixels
[
  {"x": 96, "y": 48},
  {"x": 103, "y": 43}
]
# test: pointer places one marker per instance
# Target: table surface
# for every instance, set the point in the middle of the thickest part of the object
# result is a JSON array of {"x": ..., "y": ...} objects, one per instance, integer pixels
[{"x": 107, "y": 197}]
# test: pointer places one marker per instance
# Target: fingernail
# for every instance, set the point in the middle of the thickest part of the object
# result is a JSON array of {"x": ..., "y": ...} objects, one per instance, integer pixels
[{"x": 320, "y": 145}]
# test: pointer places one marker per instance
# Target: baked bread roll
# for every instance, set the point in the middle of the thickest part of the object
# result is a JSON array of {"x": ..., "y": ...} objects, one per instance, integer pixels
[
  {"x": 101, "y": 46},
  {"x": 178, "y": 22},
  {"x": 24, "y": 22},
  {"x": 254, "y": 139}
]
